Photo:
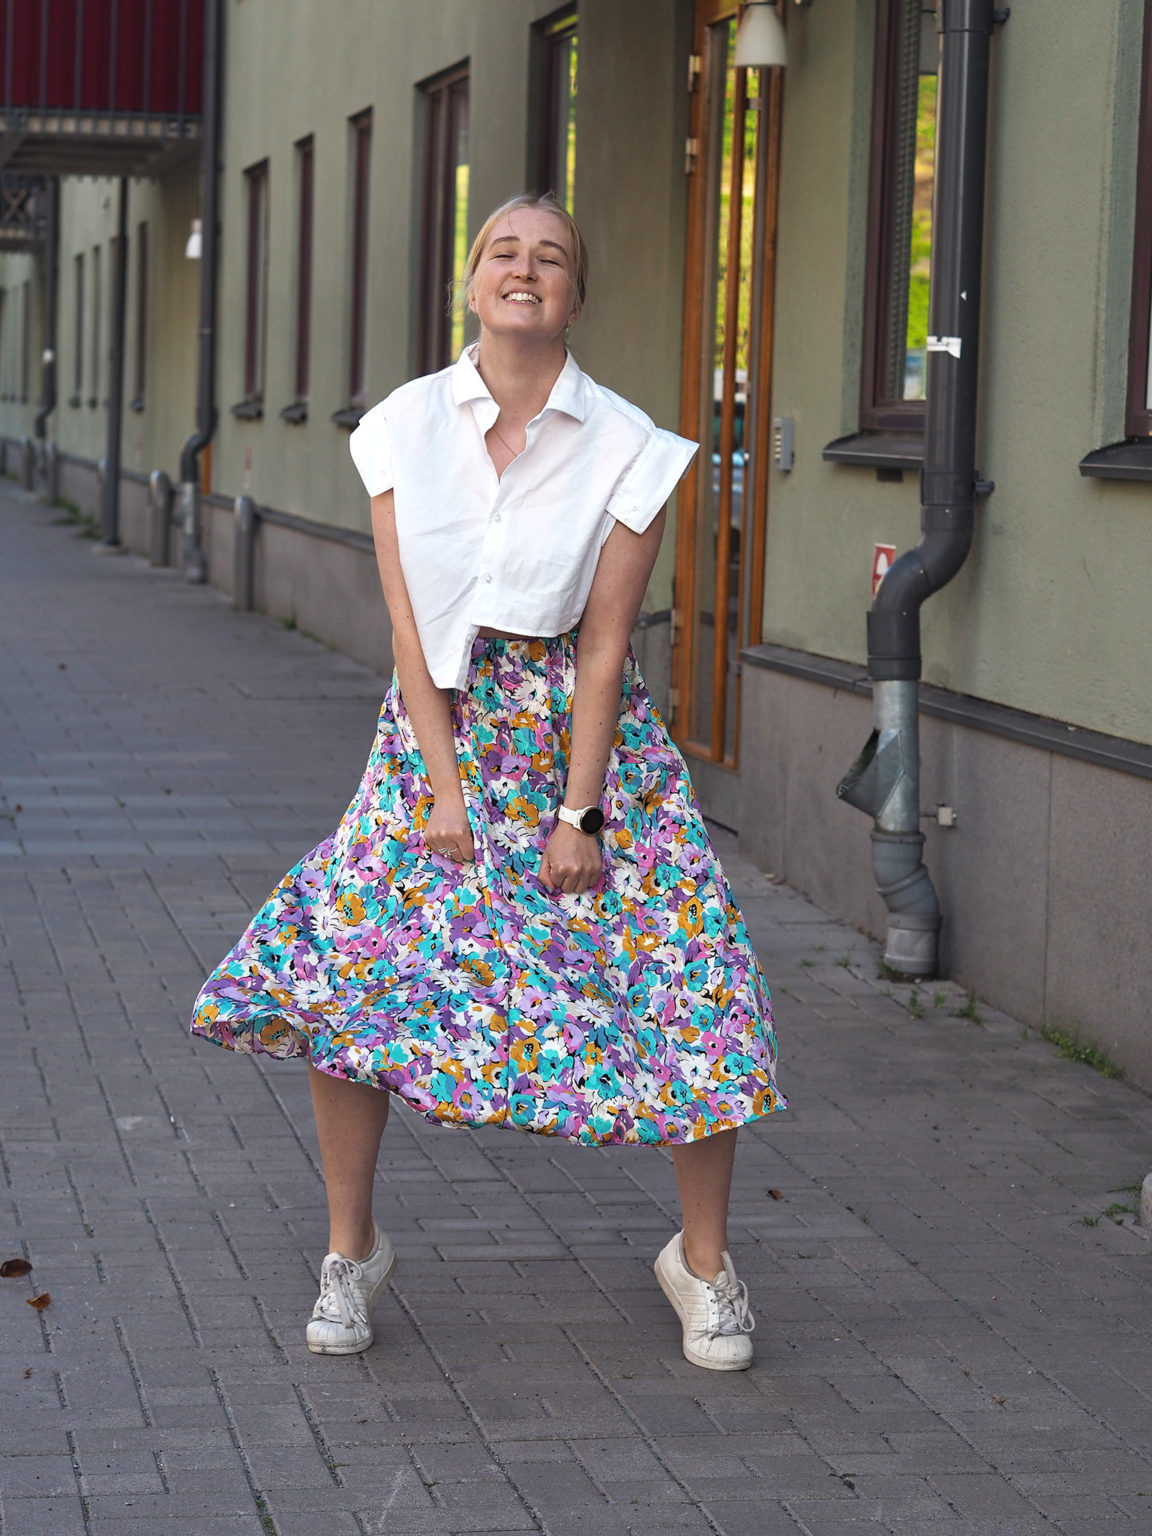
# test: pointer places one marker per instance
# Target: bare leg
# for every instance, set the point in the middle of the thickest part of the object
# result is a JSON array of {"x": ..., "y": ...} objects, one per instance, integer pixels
[
  {"x": 704, "y": 1174},
  {"x": 350, "y": 1119}
]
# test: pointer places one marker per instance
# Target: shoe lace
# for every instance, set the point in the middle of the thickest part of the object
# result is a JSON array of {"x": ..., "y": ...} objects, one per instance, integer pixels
[
  {"x": 339, "y": 1273},
  {"x": 735, "y": 1315}
]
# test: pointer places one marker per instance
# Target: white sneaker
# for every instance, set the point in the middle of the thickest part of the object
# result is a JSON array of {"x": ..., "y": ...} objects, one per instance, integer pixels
[
  {"x": 716, "y": 1317},
  {"x": 341, "y": 1322}
]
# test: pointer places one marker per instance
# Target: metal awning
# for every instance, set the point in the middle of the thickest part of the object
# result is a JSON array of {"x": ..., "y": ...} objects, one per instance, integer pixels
[
  {"x": 99, "y": 87},
  {"x": 56, "y": 143}
]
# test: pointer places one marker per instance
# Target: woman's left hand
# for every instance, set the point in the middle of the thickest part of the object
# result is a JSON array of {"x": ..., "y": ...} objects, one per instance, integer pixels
[{"x": 573, "y": 861}]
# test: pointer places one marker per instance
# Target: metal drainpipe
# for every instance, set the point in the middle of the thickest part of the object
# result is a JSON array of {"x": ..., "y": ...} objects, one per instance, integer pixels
[
  {"x": 47, "y": 402},
  {"x": 885, "y": 779},
  {"x": 195, "y": 566}
]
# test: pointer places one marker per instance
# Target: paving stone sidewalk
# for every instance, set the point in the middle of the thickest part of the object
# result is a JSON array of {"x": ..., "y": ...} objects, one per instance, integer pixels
[{"x": 953, "y": 1302}]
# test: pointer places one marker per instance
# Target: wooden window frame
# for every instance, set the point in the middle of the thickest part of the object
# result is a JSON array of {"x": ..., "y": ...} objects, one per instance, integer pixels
[
  {"x": 548, "y": 38},
  {"x": 1138, "y": 415},
  {"x": 255, "y": 282},
  {"x": 305, "y": 205},
  {"x": 698, "y": 395},
  {"x": 441, "y": 101},
  {"x": 361, "y": 130},
  {"x": 26, "y": 341},
  {"x": 877, "y": 413},
  {"x": 140, "y": 349},
  {"x": 80, "y": 276},
  {"x": 97, "y": 296}
]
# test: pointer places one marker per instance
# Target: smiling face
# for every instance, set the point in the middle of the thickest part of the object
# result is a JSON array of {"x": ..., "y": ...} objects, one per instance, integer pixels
[{"x": 524, "y": 283}]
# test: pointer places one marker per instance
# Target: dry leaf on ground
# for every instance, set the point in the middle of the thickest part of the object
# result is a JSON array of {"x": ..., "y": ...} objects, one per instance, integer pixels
[
  {"x": 41, "y": 1301},
  {"x": 12, "y": 1269}
]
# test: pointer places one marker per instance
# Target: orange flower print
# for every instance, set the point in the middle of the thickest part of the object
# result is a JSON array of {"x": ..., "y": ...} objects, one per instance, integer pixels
[
  {"x": 635, "y": 1014},
  {"x": 691, "y": 916}
]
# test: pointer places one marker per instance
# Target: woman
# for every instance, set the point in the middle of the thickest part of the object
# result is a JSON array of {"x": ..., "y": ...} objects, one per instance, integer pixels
[{"x": 520, "y": 919}]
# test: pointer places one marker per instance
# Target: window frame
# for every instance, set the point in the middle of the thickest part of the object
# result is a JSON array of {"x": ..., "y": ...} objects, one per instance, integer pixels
[
  {"x": 548, "y": 39},
  {"x": 877, "y": 413},
  {"x": 305, "y": 209},
  {"x": 256, "y": 200},
  {"x": 80, "y": 278},
  {"x": 140, "y": 340},
  {"x": 97, "y": 295},
  {"x": 26, "y": 341},
  {"x": 1137, "y": 412},
  {"x": 441, "y": 97},
  {"x": 360, "y": 126}
]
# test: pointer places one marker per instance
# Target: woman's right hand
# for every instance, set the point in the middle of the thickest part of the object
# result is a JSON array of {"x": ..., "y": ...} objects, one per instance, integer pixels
[{"x": 448, "y": 833}]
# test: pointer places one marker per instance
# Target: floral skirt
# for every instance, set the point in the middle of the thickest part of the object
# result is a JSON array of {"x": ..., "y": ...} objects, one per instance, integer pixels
[{"x": 635, "y": 1012}]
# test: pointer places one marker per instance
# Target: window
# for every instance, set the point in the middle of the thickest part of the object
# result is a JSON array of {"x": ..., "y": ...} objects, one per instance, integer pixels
[
  {"x": 444, "y": 225},
  {"x": 78, "y": 334},
  {"x": 298, "y": 410},
  {"x": 97, "y": 301},
  {"x": 140, "y": 353},
  {"x": 1138, "y": 417},
  {"x": 26, "y": 341},
  {"x": 726, "y": 386},
  {"x": 554, "y": 106},
  {"x": 256, "y": 292},
  {"x": 358, "y": 306},
  {"x": 900, "y": 216}
]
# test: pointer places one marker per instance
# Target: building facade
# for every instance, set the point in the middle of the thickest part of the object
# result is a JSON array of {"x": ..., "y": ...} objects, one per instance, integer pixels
[{"x": 761, "y": 242}]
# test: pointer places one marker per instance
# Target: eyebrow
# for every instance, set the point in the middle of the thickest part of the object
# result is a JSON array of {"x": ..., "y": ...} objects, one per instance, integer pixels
[{"x": 515, "y": 240}]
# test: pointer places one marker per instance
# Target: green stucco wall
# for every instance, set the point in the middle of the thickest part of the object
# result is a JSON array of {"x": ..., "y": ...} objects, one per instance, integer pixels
[
  {"x": 284, "y": 60},
  {"x": 1049, "y": 613}
]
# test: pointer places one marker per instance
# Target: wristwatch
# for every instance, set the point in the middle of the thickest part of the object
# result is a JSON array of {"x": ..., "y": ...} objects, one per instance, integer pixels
[{"x": 589, "y": 820}]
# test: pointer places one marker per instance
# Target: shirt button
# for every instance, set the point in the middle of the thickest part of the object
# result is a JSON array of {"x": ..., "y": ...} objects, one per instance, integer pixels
[
  {"x": 488, "y": 576},
  {"x": 495, "y": 517}
]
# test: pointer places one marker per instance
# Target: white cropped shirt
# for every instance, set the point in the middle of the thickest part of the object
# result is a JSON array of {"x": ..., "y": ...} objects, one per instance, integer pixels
[{"x": 516, "y": 553}]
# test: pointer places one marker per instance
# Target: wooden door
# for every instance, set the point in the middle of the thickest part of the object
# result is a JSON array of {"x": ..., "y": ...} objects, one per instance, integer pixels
[{"x": 733, "y": 157}]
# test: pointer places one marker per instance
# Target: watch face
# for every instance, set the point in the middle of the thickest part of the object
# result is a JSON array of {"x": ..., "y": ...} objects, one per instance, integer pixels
[{"x": 592, "y": 819}]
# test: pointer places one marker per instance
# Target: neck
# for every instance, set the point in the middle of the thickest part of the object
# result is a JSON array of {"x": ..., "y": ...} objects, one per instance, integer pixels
[{"x": 519, "y": 377}]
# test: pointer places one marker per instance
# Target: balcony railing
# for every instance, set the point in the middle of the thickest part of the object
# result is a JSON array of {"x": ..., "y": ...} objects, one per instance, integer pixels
[{"x": 99, "y": 87}]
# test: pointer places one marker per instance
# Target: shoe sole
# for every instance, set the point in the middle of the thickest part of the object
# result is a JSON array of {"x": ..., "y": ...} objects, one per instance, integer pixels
[
  {"x": 689, "y": 1354},
  {"x": 373, "y": 1295}
]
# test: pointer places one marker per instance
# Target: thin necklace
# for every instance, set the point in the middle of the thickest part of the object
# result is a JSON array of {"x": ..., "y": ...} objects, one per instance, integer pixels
[{"x": 513, "y": 451}]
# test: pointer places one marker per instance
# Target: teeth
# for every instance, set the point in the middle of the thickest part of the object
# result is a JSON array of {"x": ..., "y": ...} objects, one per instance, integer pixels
[{"x": 522, "y": 298}]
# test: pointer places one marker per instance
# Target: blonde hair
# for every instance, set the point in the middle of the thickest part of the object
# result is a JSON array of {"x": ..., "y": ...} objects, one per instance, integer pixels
[{"x": 547, "y": 203}]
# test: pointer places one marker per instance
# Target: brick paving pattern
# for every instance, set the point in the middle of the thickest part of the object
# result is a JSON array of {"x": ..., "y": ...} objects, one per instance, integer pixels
[{"x": 953, "y": 1301}]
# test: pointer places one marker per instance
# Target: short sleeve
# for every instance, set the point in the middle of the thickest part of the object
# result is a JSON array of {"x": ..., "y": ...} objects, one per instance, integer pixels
[
  {"x": 650, "y": 479},
  {"x": 371, "y": 449}
]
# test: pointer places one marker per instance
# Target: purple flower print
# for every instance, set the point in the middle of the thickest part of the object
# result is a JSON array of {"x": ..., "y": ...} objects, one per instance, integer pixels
[{"x": 635, "y": 1014}]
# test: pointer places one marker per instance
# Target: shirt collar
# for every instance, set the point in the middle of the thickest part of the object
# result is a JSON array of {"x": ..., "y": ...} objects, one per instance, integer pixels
[{"x": 567, "y": 392}]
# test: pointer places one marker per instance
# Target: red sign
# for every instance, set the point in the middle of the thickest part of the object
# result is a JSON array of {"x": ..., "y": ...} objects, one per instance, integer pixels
[{"x": 882, "y": 557}]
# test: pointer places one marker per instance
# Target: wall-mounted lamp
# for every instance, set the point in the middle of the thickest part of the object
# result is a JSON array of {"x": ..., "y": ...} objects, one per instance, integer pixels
[
  {"x": 760, "y": 41},
  {"x": 195, "y": 245}
]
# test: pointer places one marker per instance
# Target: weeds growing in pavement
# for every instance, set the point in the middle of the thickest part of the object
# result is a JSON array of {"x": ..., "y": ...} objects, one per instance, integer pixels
[{"x": 1072, "y": 1048}]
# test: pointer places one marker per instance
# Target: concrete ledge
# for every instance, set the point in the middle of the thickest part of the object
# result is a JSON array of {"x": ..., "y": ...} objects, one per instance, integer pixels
[{"x": 1045, "y": 884}]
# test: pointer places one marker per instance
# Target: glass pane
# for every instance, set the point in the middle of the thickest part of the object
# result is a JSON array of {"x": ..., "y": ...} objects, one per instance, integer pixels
[
  {"x": 728, "y": 322},
  {"x": 459, "y": 216},
  {"x": 913, "y": 172},
  {"x": 920, "y": 247},
  {"x": 564, "y": 127}
]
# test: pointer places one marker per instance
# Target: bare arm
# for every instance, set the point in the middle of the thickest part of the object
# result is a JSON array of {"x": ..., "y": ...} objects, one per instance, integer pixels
[
  {"x": 427, "y": 705},
  {"x": 572, "y": 859}
]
